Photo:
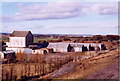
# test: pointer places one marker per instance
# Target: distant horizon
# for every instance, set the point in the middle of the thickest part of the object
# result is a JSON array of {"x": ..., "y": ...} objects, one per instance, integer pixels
[{"x": 64, "y": 34}]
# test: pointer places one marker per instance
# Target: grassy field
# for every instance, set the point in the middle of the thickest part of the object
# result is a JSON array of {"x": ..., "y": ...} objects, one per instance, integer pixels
[{"x": 36, "y": 39}]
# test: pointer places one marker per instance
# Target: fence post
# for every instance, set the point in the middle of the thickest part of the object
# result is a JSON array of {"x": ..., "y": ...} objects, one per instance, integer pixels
[{"x": 11, "y": 72}]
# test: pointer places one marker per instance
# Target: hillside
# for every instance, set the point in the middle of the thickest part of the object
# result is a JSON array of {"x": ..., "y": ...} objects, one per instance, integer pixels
[{"x": 97, "y": 67}]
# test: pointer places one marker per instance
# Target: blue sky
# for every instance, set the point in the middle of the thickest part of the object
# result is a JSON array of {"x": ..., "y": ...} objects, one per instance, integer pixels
[{"x": 61, "y": 17}]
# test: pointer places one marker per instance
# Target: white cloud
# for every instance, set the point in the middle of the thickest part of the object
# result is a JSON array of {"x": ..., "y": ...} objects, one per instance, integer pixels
[
  {"x": 87, "y": 0},
  {"x": 59, "y": 10},
  {"x": 60, "y": 0},
  {"x": 48, "y": 11},
  {"x": 105, "y": 9}
]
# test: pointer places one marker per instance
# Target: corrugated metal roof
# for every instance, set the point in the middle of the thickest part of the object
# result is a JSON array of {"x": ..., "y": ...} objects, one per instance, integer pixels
[
  {"x": 65, "y": 45},
  {"x": 19, "y": 33},
  {"x": 58, "y": 45}
]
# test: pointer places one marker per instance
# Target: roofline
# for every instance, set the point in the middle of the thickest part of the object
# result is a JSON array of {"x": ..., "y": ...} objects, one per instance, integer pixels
[{"x": 20, "y": 31}]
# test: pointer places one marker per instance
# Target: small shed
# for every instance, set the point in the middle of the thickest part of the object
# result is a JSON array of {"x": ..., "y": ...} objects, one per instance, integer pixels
[
  {"x": 42, "y": 51},
  {"x": 8, "y": 55}
]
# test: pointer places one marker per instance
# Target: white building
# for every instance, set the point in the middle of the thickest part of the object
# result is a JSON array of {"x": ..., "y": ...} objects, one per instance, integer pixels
[
  {"x": 20, "y": 39},
  {"x": 71, "y": 47},
  {"x": 19, "y": 42}
]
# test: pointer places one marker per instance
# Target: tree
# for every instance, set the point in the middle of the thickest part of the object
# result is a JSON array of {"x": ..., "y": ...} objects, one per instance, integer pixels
[
  {"x": 97, "y": 37},
  {"x": 83, "y": 39},
  {"x": 66, "y": 39}
]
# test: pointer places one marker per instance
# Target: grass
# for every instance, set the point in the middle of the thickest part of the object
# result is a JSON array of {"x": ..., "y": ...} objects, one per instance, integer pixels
[
  {"x": 44, "y": 39},
  {"x": 91, "y": 66}
]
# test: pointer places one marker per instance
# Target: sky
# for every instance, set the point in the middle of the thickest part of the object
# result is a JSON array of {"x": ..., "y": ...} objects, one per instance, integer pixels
[{"x": 60, "y": 17}]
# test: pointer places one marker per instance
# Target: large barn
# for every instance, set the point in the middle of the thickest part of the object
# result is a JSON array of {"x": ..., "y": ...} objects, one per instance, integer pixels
[{"x": 20, "y": 39}]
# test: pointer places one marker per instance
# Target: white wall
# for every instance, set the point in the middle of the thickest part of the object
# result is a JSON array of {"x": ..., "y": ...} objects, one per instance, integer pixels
[
  {"x": 17, "y": 42},
  {"x": 37, "y": 51},
  {"x": 21, "y": 50},
  {"x": 78, "y": 49}
]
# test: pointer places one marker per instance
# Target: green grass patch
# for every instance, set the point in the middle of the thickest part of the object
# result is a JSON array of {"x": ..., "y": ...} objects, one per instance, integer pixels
[{"x": 44, "y": 39}]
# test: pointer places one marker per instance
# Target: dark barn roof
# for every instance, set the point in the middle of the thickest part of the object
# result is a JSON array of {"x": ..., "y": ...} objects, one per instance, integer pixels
[
  {"x": 42, "y": 45},
  {"x": 20, "y": 33}
]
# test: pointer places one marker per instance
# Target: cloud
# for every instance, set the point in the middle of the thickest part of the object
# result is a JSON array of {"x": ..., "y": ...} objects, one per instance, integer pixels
[
  {"x": 69, "y": 26},
  {"x": 87, "y": 0},
  {"x": 79, "y": 26},
  {"x": 47, "y": 11},
  {"x": 37, "y": 27},
  {"x": 105, "y": 9},
  {"x": 59, "y": 10}
]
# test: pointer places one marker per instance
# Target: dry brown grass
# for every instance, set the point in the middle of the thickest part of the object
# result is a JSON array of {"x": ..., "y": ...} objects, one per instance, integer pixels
[
  {"x": 92, "y": 65},
  {"x": 88, "y": 66}
]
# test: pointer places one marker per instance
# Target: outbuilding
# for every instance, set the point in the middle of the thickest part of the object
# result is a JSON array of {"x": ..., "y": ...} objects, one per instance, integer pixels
[
  {"x": 8, "y": 55},
  {"x": 42, "y": 51}
]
